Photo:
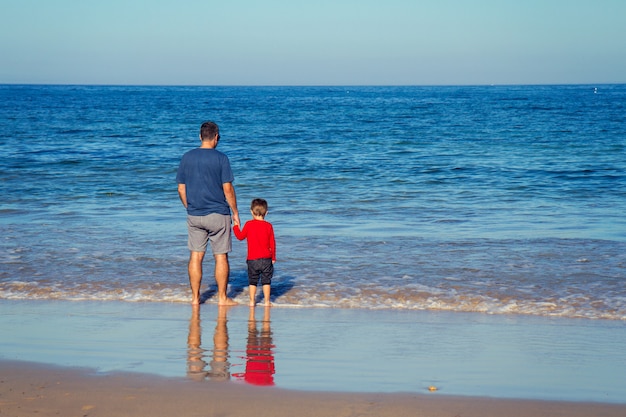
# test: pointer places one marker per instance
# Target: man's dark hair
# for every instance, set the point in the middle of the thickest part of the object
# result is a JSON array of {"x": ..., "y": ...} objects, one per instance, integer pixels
[{"x": 208, "y": 130}]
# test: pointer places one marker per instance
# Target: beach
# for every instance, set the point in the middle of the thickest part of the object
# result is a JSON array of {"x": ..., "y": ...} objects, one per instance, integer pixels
[
  {"x": 122, "y": 358},
  {"x": 29, "y": 389}
]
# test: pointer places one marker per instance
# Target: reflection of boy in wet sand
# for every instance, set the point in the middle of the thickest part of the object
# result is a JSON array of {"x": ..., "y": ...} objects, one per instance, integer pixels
[
  {"x": 261, "y": 249},
  {"x": 259, "y": 352}
]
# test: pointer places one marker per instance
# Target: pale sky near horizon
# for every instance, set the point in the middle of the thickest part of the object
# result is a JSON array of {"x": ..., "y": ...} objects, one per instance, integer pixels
[{"x": 322, "y": 42}]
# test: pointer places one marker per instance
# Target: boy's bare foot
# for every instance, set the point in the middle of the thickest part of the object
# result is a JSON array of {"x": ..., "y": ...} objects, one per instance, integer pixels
[
  {"x": 195, "y": 302},
  {"x": 268, "y": 304}
]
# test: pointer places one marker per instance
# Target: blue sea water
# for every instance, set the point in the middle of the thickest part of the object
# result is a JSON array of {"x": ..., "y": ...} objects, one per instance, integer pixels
[{"x": 492, "y": 199}]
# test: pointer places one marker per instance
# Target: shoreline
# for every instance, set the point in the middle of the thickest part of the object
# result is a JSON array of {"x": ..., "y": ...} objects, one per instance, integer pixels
[{"x": 47, "y": 390}]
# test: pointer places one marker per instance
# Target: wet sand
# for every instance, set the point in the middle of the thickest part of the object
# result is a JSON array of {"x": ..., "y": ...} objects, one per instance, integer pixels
[
  {"x": 133, "y": 359},
  {"x": 44, "y": 390}
]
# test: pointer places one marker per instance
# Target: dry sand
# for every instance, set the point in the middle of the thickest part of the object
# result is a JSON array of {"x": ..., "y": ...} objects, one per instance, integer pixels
[{"x": 32, "y": 389}]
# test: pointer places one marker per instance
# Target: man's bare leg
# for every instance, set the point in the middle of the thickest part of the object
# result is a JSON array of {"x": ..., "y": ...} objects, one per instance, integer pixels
[
  {"x": 195, "y": 275},
  {"x": 222, "y": 270}
]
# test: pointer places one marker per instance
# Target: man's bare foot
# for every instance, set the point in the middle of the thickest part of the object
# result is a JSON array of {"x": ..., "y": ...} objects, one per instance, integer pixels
[
  {"x": 195, "y": 302},
  {"x": 252, "y": 304},
  {"x": 227, "y": 302},
  {"x": 268, "y": 304}
]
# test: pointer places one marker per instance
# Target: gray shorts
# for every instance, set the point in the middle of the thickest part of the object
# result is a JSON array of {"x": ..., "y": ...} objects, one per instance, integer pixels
[{"x": 214, "y": 228}]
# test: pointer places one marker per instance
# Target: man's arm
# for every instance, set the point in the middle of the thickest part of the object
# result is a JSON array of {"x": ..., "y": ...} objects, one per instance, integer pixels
[
  {"x": 231, "y": 199},
  {"x": 182, "y": 194}
]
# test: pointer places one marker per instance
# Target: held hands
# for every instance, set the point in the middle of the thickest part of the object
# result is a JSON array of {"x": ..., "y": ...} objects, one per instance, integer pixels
[{"x": 236, "y": 221}]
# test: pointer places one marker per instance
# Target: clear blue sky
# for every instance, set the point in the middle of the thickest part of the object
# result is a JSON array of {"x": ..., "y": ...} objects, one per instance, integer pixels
[{"x": 321, "y": 42}]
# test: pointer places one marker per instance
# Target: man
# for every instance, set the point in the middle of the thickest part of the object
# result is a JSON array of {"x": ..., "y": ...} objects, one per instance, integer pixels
[{"x": 205, "y": 187}]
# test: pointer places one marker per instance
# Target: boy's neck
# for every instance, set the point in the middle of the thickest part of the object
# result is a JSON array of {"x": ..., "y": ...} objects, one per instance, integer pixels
[{"x": 261, "y": 218}]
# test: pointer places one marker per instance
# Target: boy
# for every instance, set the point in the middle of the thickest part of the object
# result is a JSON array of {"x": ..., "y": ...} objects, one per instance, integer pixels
[{"x": 261, "y": 249}]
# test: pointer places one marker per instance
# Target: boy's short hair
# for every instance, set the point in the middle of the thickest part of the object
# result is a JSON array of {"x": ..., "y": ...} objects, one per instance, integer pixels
[{"x": 259, "y": 207}]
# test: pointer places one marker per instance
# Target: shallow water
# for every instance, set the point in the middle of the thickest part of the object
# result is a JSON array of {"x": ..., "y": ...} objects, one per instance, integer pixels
[{"x": 504, "y": 199}]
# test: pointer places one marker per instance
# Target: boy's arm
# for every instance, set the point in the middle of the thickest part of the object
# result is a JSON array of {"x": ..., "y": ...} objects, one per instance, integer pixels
[
  {"x": 239, "y": 233},
  {"x": 272, "y": 244}
]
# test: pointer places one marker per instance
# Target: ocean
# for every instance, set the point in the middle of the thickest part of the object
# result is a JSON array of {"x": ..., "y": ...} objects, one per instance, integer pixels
[{"x": 489, "y": 199}]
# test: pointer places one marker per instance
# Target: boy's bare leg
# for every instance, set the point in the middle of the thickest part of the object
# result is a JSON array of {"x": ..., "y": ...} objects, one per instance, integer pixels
[
  {"x": 222, "y": 270},
  {"x": 252, "y": 289},
  {"x": 194, "y": 269},
  {"x": 266, "y": 295}
]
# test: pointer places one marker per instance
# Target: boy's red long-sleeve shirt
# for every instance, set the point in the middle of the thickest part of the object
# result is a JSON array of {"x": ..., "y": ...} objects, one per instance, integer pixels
[{"x": 260, "y": 235}]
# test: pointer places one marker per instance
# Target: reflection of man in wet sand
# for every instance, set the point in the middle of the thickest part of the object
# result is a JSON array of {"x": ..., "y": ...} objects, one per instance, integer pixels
[
  {"x": 196, "y": 364},
  {"x": 220, "y": 367},
  {"x": 259, "y": 352},
  {"x": 195, "y": 353}
]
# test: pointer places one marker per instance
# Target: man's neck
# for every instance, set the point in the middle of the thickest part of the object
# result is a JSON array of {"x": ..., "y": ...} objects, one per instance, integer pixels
[{"x": 208, "y": 144}]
